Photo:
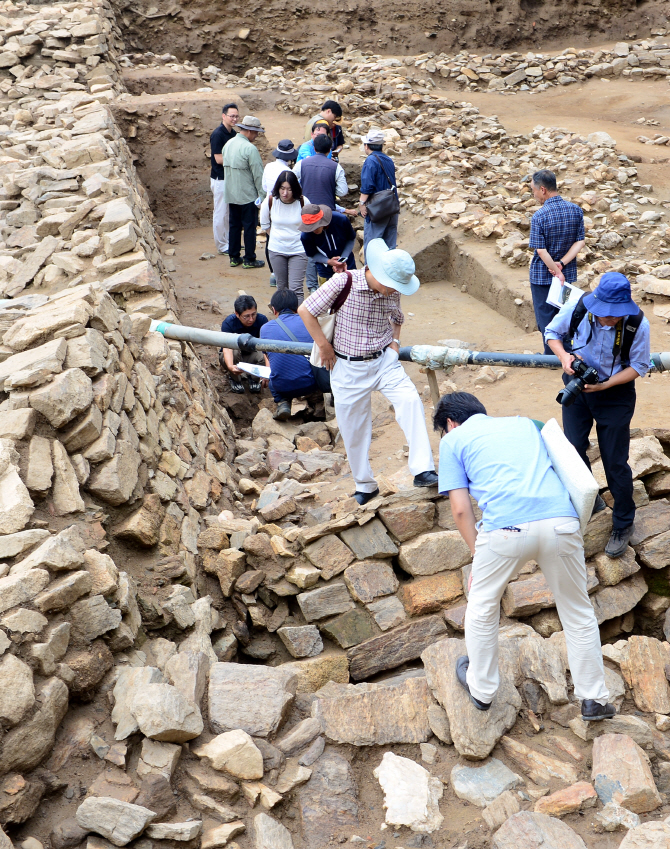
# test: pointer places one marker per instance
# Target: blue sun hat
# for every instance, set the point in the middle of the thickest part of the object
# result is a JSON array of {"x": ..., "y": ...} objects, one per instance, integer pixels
[
  {"x": 393, "y": 268},
  {"x": 611, "y": 297}
]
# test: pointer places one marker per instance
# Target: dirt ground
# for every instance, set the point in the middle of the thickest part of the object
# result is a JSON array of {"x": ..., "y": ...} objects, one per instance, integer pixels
[{"x": 233, "y": 34}]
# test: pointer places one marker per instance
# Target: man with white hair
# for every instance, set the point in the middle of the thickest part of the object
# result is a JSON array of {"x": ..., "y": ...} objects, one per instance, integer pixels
[
  {"x": 378, "y": 175},
  {"x": 363, "y": 357}
]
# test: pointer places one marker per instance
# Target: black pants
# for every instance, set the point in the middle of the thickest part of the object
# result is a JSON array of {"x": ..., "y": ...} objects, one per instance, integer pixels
[
  {"x": 243, "y": 216},
  {"x": 612, "y": 410},
  {"x": 544, "y": 312}
]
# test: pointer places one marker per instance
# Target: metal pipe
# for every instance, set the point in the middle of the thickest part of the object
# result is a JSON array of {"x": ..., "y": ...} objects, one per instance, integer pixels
[
  {"x": 430, "y": 356},
  {"x": 244, "y": 342}
]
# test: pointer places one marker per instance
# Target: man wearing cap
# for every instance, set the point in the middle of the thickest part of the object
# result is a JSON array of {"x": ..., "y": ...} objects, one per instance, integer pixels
[
  {"x": 377, "y": 175},
  {"x": 285, "y": 155},
  {"x": 607, "y": 330},
  {"x": 319, "y": 128},
  {"x": 557, "y": 235},
  {"x": 363, "y": 357},
  {"x": 244, "y": 184},
  {"x": 217, "y": 141},
  {"x": 328, "y": 240}
]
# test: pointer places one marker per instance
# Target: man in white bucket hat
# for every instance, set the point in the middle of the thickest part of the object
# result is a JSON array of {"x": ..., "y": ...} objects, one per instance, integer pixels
[{"x": 363, "y": 357}]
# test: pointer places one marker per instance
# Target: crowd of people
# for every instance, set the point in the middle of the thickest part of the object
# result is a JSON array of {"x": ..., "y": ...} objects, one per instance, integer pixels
[{"x": 353, "y": 318}]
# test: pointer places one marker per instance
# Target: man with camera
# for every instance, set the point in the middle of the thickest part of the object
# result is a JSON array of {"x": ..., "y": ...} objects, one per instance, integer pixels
[{"x": 609, "y": 334}]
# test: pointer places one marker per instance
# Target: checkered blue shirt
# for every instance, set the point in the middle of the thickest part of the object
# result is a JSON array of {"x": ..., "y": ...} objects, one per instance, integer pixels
[{"x": 555, "y": 227}]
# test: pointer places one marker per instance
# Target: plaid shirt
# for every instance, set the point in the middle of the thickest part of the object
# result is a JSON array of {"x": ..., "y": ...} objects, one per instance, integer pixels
[
  {"x": 363, "y": 323},
  {"x": 555, "y": 227}
]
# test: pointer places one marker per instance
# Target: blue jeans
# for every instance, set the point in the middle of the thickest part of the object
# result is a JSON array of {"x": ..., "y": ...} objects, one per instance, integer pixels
[{"x": 544, "y": 312}]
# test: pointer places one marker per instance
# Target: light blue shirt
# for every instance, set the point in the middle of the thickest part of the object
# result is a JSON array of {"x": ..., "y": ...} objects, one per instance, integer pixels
[
  {"x": 504, "y": 464},
  {"x": 307, "y": 149},
  {"x": 598, "y": 351}
]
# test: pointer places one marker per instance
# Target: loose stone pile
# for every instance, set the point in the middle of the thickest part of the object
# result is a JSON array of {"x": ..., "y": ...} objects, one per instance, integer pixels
[{"x": 152, "y": 560}]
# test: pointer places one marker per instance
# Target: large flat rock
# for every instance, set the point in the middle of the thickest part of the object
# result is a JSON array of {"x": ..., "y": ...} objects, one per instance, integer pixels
[
  {"x": 474, "y": 732},
  {"x": 393, "y": 711},
  {"x": 621, "y": 773},
  {"x": 643, "y": 667},
  {"x": 253, "y": 698},
  {"x": 527, "y": 830},
  {"x": 328, "y": 802},
  {"x": 395, "y": 647}
]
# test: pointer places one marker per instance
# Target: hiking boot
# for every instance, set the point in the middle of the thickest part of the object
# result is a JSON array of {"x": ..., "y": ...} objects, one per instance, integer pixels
[
  {"x": 618, "y": 541},
  {"x": 462, "y": 665},
  {"x": 364, "y": 497},
  {"x": 235, "y": 262},
  {"x": 425, "y": 479},
  {"x": 598, "y": 505},
  {"x": 593, "y": 712},
  {"x": 236, "y": 385},
  {"x": 283, "y": 411},
  {"x": 253, "y": 263},
  {"x": 255, "y": 386}
]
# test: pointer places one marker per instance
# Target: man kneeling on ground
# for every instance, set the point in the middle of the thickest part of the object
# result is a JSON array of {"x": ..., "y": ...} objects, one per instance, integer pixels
[
  {"x": 526, "y": 515},
  {"x": 245, "y": 319},
  {"x": 291, "y": 376}
]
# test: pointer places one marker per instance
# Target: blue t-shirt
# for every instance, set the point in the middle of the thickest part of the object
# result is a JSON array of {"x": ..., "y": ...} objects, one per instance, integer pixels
[
  {"x": 504, "y": 464},
  {"x": 232, "y": 324},
  {"x": 288, "y": 372}
]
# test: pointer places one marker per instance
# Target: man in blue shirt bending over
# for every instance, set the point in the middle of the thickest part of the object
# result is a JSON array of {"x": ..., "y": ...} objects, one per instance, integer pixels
[
  {"x": 526, "y": 515},
  {"x": 291, "y": 375}
]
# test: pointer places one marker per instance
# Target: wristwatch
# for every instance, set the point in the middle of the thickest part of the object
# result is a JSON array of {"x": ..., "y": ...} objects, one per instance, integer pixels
[{"x": 397, "y": 342}]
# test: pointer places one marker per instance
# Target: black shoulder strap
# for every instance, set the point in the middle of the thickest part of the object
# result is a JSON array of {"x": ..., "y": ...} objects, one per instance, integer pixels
[
  {"x": 381, "y": 163},
  {"x": 577, "y": 317},
  {"x": 630, "y": 329}
]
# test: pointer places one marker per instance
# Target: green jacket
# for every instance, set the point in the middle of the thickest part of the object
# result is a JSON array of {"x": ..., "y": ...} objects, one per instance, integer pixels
[{"x": 243, "y": 168}]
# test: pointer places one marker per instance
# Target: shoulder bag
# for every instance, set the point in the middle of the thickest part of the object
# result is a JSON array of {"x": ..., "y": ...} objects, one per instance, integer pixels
[
  {"x": 384, "y": 204},
  {"x": 327, "y": 322}
]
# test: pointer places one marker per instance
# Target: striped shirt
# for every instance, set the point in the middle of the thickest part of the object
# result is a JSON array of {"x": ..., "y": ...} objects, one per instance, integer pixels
[
  {"x": 363, "y": 323},
  {"x": 555, "y": 227}
]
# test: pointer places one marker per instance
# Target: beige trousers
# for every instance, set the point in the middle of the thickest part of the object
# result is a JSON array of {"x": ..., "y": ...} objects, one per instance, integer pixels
[{"x": 557, "y": 546}]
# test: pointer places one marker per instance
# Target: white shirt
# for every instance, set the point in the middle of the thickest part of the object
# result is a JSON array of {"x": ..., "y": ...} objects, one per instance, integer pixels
[
  {"x": 341, "y": 187},
  {"x": 272, "y": 171},
  {"x": 285, "y": 219}
]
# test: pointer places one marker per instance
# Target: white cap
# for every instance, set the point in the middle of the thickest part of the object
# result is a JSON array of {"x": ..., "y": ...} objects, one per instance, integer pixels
[{"x": 374, "y": 137}]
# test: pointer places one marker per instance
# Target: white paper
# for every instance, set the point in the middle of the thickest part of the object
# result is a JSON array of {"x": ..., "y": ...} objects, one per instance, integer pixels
[
  {"x": 261, "y": 372},
  {"x": 561, "y": 294}
]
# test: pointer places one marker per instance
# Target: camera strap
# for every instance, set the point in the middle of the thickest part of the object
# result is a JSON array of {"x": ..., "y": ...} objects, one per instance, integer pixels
[{"x": 623, "y": 337}]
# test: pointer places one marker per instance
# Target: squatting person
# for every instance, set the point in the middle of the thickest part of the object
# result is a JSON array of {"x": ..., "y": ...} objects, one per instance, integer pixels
[
  {"x": 526, "y": 515},
  {"x": 245, "y": 319},
  {"x": 608, "y": 331},
  {"x": 364, "y": 356}
]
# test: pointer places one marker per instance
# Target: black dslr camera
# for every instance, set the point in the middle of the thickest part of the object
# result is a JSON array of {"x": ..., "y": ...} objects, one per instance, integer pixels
[{"x": 583, "y": 374}]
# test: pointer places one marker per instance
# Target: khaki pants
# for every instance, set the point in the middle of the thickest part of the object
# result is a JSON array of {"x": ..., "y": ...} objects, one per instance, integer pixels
[{"x": 557, "y": 546}]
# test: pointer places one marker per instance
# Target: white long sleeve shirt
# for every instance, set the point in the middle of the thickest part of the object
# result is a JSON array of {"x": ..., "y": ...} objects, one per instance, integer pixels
[
  {"x": 283, "y": 220},
  {"x": 272, "y": 171}
]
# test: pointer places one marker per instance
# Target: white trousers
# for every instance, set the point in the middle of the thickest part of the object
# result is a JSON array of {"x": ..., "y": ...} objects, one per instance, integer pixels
[
  {"x": 220, "y": 217},
  {"x": 353, "y": 385},
  {"x": 558, "y": 548}
]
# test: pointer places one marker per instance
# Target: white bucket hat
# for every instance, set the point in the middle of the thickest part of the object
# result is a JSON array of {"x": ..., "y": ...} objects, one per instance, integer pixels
[
  {"x": 392, "y": 268},
  {"x": 374, "y": 137}
]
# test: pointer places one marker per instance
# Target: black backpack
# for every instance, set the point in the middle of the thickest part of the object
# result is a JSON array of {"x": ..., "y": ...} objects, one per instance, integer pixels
[{"x": 623, "y": 338}]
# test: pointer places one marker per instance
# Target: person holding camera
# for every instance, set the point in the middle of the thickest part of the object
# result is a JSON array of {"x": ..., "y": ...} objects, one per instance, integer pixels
[
  {"x": 526, "y": 515},
  {"x": 608, "y": 333}
]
